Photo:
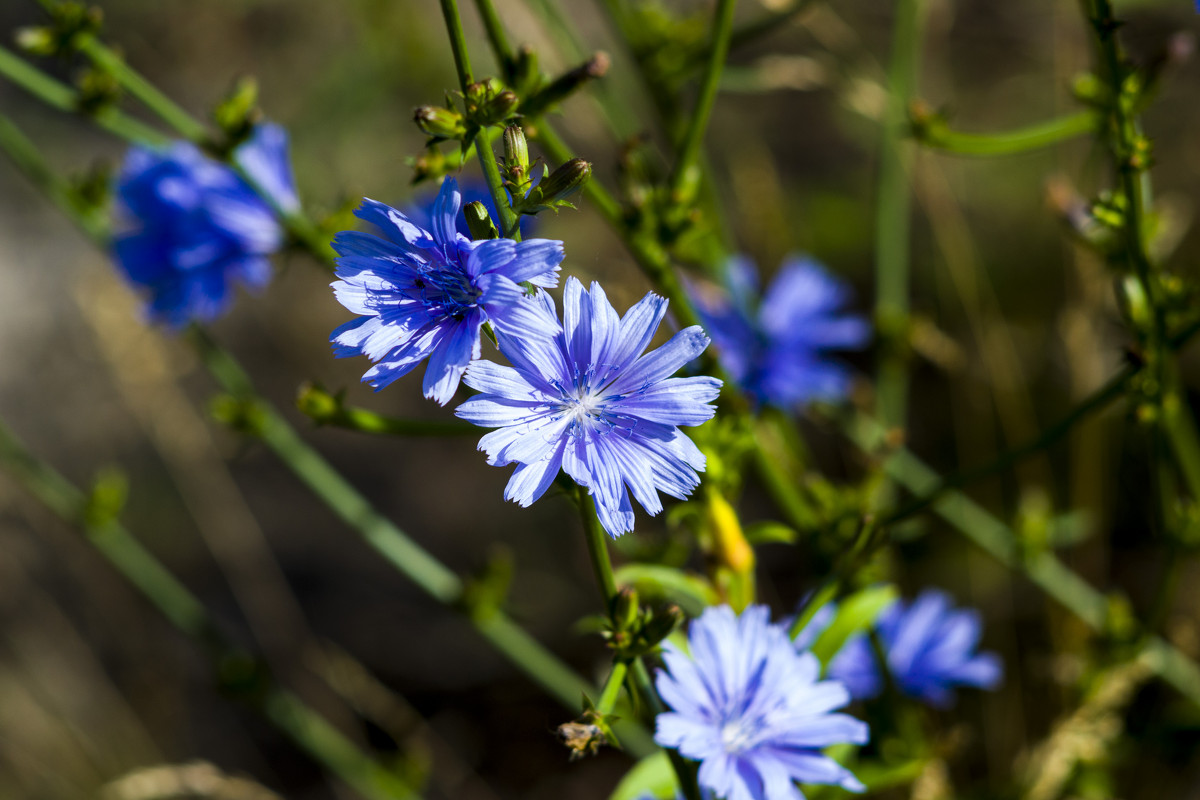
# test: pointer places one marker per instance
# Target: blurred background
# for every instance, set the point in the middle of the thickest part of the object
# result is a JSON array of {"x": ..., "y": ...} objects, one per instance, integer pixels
[{"x": 1014, "y": 324}]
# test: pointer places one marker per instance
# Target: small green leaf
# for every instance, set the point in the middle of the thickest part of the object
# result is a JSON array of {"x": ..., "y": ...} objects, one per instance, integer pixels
[
  {"x": 857, "y": 613},
  {"x": 691, "y": 592},
  {"x": 652, "y": 775},
  {"x": 765, "y": 532}
]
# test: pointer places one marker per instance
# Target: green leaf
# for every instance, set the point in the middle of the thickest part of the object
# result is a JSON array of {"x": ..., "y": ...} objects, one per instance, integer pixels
[
  {"x": 764, "y": 532},
  {"x": 856, "y": 613},
  {"x": 691, "y": 592},
  {"x": 652, "y": 775}
]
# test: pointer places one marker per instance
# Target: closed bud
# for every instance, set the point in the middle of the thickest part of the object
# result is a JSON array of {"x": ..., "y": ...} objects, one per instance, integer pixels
[
  {"x": 479, "y": 222},
  {"x": 661, "y": 625},
  {"x": 525, "y": 70},
  {"x": 516, "y": 149},
  {"x": 316, "y": 403},
  {"x": 38, "y": 41},
  {"x": 498, "y": 108},
  {"x": 556, "y": 187},
  {"x": 441, "y": 123}
]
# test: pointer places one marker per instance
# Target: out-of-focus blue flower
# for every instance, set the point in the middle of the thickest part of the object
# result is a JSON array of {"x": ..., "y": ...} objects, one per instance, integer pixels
[
  {"x": 930, "y": 648},
  {"x": 750, "y": 708},
  {"x": 425, "y": 293},
  {"x": 777, "y": 350},
  {"x": 589, "y": 402},
  {"x": 193, "y": 227}
]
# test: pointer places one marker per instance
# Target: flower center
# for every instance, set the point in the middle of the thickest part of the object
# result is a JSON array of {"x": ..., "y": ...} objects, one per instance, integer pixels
[
  {"x": 584, "y": 406},
  {"x": 737, "y": 735}
]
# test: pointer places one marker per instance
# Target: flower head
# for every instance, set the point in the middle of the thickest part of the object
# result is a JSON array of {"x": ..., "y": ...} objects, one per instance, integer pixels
[
  {"x": 750, "y": 708},
  {"x": 424, "y": 294},
  {"x": 930, "y": 650},
  {"x": 589, "y": 402},
  {"x": 776, "y": 349},
  {"x": 194, "y": 227}
]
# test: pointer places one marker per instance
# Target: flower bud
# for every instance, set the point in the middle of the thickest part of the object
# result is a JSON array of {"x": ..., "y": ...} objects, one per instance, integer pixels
[
  {"x": 516, "y": 149},
  {"x": 661, "y": 625},
  {"x": 487, "y": 104},
  {"x": 625, "y": 608},
  {"x": 440, "y": 123},
  {"x": 479, "y": 222},
  {"x": 555, "y": 187},
  {"x": 316, "y": 403}
]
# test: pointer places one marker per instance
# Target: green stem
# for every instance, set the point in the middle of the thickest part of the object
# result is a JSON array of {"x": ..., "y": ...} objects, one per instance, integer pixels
[
  {"x": 612, "y": 687},
  {"x": 413, "y": 561},
  {"x": 62, "y": 97},
  {"x": 496, "y": 37},
  {"x": 28, "y": 159},
  {"x": 140, "y": 88},
  {"x": 510, "y": 222},
  {"x": 1021, "y": 140},
  {"x": 184, "y": 611},
  {"x": 597, "y": 544},
  {"x": 639, "y": 676},
  {"x": 458, "y": 43},
  {"x": 684, "y": 173},
  {"x": 892, "y": 217},
  {"x": 1042, "y": 568},
  {"x": 362, "y": 420}
]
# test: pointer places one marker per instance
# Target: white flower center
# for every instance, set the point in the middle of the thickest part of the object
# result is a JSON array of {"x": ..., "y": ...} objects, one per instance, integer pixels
[
  {"x": 737, "y": 735},
  {"x": 584, "y": 406}
]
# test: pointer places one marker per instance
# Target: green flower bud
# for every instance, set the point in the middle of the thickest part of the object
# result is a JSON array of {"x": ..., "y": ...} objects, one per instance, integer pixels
[
  {"x": 625, "y": 608},
  {"x": 440, "y": 123},
  {"x": 555, "y": 187},
  {"x": 479, "y": 222},
  {"x": 516, "y": 149}
]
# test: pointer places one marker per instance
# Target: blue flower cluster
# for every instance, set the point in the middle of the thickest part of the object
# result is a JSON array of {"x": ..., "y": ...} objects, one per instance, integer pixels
[
  {"x": 776, "y": 349},
  {"x": 193, "y": 227},
  {"x": 752, "y": 710},
  {"x": 930, "y": 649}
]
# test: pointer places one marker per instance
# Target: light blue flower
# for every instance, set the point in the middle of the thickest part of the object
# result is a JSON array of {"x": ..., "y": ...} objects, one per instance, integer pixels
[
  {"x": 930, "y": 648},
  {"x": 193, "y": 227},
  {"x": 425, "y": 294},
  {"x": 777, "y": 350},
  {"x": 589, "y": 402},
  {"x": 750, "y": 708}
]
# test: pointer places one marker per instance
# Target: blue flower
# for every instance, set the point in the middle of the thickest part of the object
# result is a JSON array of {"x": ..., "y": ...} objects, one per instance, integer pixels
[
  {"x": 195, "y": 228},
  {"x": 930, "y": 650},
  {"x": 424, "y": 294},
  {"x": 590, "y": 403},
  {"x": 750, "y": 708},
  {"x": 776, "y": 350}
]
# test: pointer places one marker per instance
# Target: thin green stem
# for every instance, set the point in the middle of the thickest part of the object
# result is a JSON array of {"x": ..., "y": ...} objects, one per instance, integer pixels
[
  {"x": 458, "y": 43},
  {"x": 686, "y": 168},
  {"x": 892, "y": 217},
  {"x": 324, "y": 409},
  {"x": 408, "y": 557},
  {"x": 496, "y": 37},
  {"x": 768, "y": 23},
  {"x": 308, "y": 730},
  {"x": 597, "y": 544},
  {"x": 62, "y": 97},
  {"x": 145, "y": 92},
  {"x": 29, "y": 161},
  {"x": 1043, "y": 568},
  {"x": 1022, "y": 140}
]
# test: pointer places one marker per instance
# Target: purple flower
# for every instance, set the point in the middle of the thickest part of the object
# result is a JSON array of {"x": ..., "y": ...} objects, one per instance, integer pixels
[
  {"x": 424, "y": 294},
  {"x": 777, "y": 349},
  {"x": 750, "y": 708},
  {"x": 194, "y": 227},
  {"x": 930, "y": 649},
  {"x": 589, "y": 402}
]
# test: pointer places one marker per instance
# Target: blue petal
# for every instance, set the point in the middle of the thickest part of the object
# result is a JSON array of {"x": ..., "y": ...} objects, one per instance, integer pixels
[
  {"x": 264, "y": 157},
  {"x": 663, "y": 362}
]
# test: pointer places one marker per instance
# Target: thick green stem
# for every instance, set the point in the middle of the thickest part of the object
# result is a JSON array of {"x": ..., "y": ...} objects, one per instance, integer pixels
[
  {"x": 510, "y": 222},
  {"x": 612, "y": 687},
  {"x": 1022, "y": 140},
  {"x": 685, "y": 169},
  {"x": 182, "y": 609},
  {"x": 892, "y": 218}
]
